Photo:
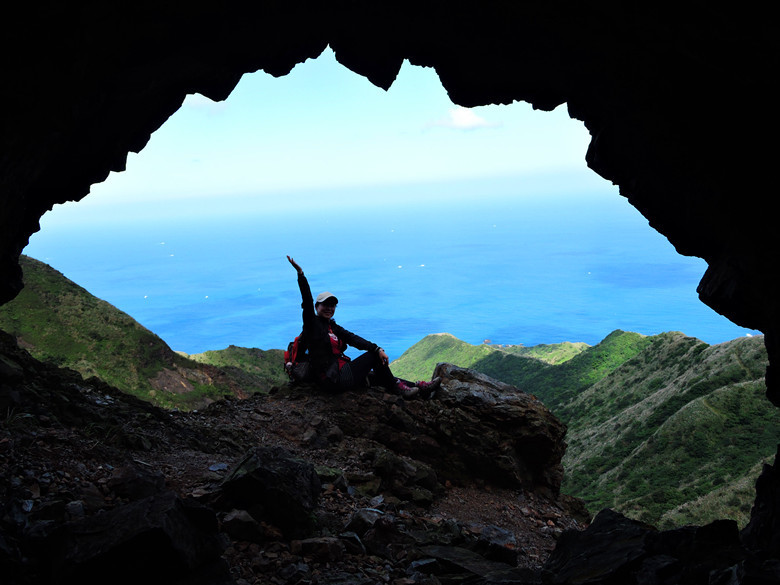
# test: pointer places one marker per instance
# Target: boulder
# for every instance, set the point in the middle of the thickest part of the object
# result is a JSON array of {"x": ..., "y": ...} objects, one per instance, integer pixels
[
  {"x": 158, "y": 539},
  {"x": 273, "y": 486},
  {"x": 462, "y": 565},
  {"x": 405, "y": 478},
  {"x": 323, "y": 549},
  {"x": 616, "y": 549},
  {"x": 763, "y": 531},
  {"x": 474, "y": 428},
  {"x": 133, "y": 482},
  {"x": 500, "y": 431}
]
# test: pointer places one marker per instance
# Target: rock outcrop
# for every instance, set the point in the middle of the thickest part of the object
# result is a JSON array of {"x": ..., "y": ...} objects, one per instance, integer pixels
[
  {"x": 476, "y": 428},
  {"x": 271, "y": 485}
]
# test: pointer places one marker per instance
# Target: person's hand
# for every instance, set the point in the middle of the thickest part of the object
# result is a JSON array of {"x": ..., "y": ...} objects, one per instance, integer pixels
[
  {"x": 298, "y": 268},
  {"x": 383, "y": 356}
]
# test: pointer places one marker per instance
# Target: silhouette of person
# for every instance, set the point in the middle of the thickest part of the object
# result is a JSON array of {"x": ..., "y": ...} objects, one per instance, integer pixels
[{"x": 326, "y": 342}]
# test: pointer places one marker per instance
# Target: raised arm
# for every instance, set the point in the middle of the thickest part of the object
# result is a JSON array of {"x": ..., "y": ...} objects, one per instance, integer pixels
[
  {"x": 295, "y": 265},
  {"x": 307, "y": 302}
]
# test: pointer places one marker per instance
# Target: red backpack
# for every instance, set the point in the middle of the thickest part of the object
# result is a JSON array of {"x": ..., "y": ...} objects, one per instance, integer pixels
[{"x": 296, "y": 360}]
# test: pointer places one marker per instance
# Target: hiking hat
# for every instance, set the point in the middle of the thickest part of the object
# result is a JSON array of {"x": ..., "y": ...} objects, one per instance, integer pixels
[{"x": 324, "y": 296}]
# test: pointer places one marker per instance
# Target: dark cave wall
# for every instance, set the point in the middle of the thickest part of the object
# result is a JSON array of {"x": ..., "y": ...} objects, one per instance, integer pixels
[{"x": 674, "y": 99}]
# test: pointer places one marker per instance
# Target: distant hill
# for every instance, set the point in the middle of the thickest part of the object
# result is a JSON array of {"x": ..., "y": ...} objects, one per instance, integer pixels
[
  {"x": 665, "y": 428},
  {"x": 555, "y": 353},
  {"x": 56, "y": 320},
  {"x": 555, "y": 373},
  {"x": 671, "y": 426},
  {"x": 556, "y": 385},
  {"x": 254, "y": 369},
  {"x": 419, "y": 361}
]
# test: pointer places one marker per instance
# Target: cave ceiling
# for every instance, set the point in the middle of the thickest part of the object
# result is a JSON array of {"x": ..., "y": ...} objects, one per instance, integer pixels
[{"x": 676, "y": 99}]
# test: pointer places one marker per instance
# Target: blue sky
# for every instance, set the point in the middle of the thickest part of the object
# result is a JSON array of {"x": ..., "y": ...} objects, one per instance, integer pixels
[{"x": 323, "y": 127}]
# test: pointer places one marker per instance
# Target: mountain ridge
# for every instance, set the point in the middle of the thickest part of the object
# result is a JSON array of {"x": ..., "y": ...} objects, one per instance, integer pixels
[
  {"x": 640, "y": 407},
  {"x": 58, "y": 321}
]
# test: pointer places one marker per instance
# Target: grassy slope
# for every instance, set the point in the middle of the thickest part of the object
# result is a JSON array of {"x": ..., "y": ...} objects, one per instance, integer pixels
[
  {"x": 419, "y": 361},
  {"x": 255, "y": 369},
  {"x": 733, "y": 499},
  {"x": 557, "y": 385},
  {"x": 56, "y": 320},
  {"x": 555, "y": 373},
  {"x": 664, "y": 428},
  {"x": 698, "y": 421},
  {"x": 554, "y": 354}
]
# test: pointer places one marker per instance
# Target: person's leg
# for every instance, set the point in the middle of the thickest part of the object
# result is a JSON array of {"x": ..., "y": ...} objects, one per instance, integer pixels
[
  {"x": 346, "y": 379},
  {"x": 365, "y": 363},
  {"x": 355, "y": 374}
]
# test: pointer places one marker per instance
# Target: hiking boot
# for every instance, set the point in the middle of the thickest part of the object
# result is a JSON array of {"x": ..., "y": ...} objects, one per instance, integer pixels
[
  {"x": 409, "y": 391},
  {"x": 428, "y": 388},
  {"x": 405, "y": 390}
]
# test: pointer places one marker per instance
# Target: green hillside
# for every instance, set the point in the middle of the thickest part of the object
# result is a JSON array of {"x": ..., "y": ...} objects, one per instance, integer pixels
[
  {"x": 665, "y": 428},
  {"x": 555, "y": 353},
  {"x": 419, "y": 361},
  {"x": 557, "y": 385},
  {"x": 733, "y": 499},
  {"x": 254, "y": 369},
  {"x": 58, "y": 321},
  {"x": 671, "y": 426},
  {"x": 555, "y": 373},
  {"x": 655, "y": 361}
]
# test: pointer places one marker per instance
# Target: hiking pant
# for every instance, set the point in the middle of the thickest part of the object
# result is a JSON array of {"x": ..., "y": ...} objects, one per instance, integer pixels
[{"x": 355, "y": 374}]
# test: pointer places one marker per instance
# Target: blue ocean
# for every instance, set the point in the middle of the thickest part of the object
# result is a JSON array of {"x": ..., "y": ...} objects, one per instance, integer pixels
[{"x": 526, "y": 270}]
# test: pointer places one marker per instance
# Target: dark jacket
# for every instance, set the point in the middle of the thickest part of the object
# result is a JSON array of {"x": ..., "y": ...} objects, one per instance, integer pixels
[{"x": 317, "y": 341}]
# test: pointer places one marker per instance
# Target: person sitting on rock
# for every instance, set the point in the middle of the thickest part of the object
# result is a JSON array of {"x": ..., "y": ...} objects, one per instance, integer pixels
[{"x": 326, "y": 342}]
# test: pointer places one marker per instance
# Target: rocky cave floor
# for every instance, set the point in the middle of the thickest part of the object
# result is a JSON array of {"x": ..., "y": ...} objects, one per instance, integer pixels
[
  {"x": 66, "y": 447},
  {"x": 532, "y": 520}
]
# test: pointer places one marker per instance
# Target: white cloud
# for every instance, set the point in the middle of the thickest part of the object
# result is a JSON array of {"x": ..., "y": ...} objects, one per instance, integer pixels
[{"x": 460, "y": 118}]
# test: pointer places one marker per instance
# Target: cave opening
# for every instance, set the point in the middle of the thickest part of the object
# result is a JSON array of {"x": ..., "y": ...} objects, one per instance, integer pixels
[{"x": 408, "y": 167}]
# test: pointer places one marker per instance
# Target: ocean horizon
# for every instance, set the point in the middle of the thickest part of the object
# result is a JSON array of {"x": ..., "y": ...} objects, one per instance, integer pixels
[{"x": 508, "y": 270}]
